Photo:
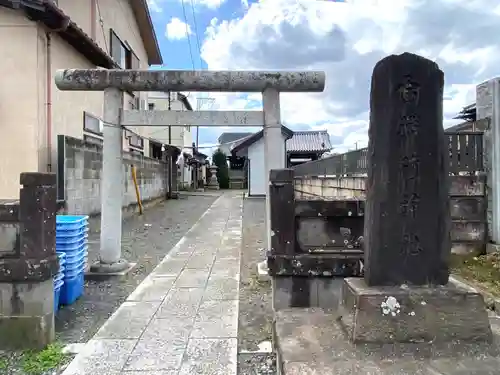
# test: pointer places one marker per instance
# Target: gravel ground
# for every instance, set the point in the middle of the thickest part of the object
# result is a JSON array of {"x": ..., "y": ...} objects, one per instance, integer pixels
[
  {"x": 255, "y": 310},
  {"x": 146, "y": 240},
  {"x": 256, "y": 364}
]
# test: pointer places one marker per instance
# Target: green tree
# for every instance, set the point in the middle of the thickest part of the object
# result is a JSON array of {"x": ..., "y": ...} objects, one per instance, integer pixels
[{"x": 220, "y": 160}]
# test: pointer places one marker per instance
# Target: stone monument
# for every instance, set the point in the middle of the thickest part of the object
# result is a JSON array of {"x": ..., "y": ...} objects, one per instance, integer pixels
[
  {"x": 405, "y": 295},
  {"x": 213, "y": 184}
]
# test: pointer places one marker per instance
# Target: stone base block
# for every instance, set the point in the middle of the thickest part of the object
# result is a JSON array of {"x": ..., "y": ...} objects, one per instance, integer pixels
[
  {"x": 292, "y": 292},
  {"x": 413, "y": 314},
  {"x": 26, "y": 332},
  {"x": 26, "y": 315},
  {"x": 99, "y": 271}
]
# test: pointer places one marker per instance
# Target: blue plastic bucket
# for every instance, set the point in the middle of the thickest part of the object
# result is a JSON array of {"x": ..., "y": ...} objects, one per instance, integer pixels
[
  {"x": 62, "y": 233},
  {"x": 71, "y": 222},
  {"x": 58, "y": 277},
  {"x": 57, "y": 294},
  {"x": 62, "y": 258},
  {"x": 75, "y": 256},
  {"x": 72, "y": 247},
  {"x": 77, "y": 268},
  {"x": 68, "y": 240},
  {"x": 72, "y": 289}
]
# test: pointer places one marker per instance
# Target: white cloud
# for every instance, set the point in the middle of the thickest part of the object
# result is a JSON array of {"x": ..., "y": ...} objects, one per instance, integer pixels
[
  {"x": 211, "y": 4},
  {"x": 177, "y": 29},
  {"x": 158, "y": 5},
  {"x": 154, "y": 6},
  {"x": 346, "y": 40}
]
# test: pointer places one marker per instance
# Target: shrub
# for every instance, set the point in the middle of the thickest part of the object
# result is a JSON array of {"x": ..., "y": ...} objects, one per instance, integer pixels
[{"x": 220, "y": 160}]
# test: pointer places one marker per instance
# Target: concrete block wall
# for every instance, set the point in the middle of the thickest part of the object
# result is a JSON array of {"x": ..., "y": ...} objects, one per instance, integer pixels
[
  {"x": 468, "y": 204},
  {"x": 80, "y": 164}
]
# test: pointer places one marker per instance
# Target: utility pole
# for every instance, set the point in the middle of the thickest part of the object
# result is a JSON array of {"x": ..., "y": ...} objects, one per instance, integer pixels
[
  {"x": 171, "y": 170},
  {"x": 169, "y": 127}
]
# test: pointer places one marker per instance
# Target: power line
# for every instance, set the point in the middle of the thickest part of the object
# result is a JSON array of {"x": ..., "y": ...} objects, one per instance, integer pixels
[
  {"x": 196, "y": 33},
  {"x": 187, "y": 33},
  {"x": 101, "y": 22}
]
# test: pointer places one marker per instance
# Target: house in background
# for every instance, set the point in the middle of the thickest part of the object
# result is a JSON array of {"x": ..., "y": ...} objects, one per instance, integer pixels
[
  {"x": 470, "y": 124},
  {"x": 40, "y": 37},
  {"x": 251, "y": 149},
  {"x": 306, "y": 146},
  {"x": 300, "y": 147},
  {"x": 227, "y": 141},
  {"x": 180, "y": 137}
]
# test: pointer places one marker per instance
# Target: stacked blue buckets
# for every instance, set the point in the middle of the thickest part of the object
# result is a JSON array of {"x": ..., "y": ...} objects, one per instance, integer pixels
[
  {"x": 72, "y": 241},
  {"x": 59, "y": 280}
]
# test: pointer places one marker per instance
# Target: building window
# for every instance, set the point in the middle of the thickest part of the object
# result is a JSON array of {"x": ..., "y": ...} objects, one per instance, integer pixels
[
  {"x": 151, "y": 106},
  {"x": 136, "y": 141},
  {"x": 93, "y": 140},
  {"x": 92, "y": 124},
  {"x": 134, "y": 60},
  {"x": 122, "y": 53}
]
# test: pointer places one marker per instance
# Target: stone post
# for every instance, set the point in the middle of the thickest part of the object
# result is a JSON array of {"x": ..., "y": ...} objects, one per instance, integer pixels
[
  {"x": 407, "y": 220},
  {"x": 405, "y": 295},
  {"x": 110, "y": 261},
  {"x": 488, "y": 107},
  {"x": 26, "y": 285},
  {"x": 275, "y": 156}
]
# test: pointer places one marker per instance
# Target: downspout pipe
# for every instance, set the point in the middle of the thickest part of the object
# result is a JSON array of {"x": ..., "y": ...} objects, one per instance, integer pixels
[
  {"x": 48, "y": 113},
  {"x": 48, "y": 72}
]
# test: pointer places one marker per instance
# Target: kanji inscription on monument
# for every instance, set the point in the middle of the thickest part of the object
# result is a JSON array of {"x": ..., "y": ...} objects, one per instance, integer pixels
[{"x": 407, "y": 216}]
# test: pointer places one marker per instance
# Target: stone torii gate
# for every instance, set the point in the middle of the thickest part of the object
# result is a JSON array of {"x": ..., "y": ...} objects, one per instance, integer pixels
[{"x": 114, "y": 82}]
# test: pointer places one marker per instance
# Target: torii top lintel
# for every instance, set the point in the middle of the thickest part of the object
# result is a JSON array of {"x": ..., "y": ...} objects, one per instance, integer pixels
[{"x": 183, "y": 80}]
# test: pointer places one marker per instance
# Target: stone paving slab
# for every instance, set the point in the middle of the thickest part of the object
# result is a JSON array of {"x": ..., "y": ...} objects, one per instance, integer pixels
[{"x": 183, "y": 318}]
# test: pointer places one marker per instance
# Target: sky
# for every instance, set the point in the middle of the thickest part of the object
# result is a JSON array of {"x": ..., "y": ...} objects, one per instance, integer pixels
[{"x": 344, "y": 39}]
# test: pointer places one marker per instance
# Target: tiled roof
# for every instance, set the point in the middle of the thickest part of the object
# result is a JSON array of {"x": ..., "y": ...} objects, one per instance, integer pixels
[
  {"x": 231, "y": 137},
  {"x": 309, "y": 141},
  {"x": 250, "y": 139}
]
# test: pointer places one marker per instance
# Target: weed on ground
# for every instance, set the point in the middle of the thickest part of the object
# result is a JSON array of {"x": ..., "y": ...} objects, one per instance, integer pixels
[
  {"x": 482, "y": 271},
  {"x": 49, "y": 361}
]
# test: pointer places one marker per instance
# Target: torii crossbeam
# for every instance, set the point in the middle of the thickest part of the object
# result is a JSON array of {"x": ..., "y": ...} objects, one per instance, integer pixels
[{"x": 114, "y": 82}]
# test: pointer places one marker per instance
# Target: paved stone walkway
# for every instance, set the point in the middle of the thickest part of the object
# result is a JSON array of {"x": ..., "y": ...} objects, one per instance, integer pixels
[{"x": 183, "y": 318}]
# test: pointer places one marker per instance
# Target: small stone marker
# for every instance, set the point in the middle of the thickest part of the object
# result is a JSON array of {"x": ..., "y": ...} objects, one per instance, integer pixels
[
  {"x": 405, "y": 295},
  {"x": 407, "y": 221},
  {"x": 213, "y": 184}
]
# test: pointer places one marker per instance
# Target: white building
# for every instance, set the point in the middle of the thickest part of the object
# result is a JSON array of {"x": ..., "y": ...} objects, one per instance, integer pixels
[{"x": 178, "y": 136}]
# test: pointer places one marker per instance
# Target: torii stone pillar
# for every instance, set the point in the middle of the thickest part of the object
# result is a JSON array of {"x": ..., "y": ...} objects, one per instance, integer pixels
[{"x": 112, "y": 82}]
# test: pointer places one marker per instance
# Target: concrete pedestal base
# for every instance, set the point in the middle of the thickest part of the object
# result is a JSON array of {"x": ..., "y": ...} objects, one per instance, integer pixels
[
  {"x": 100, "y": 270},
  {"x": 413, "y": 314},
  {"x": 26, "y": 315}
]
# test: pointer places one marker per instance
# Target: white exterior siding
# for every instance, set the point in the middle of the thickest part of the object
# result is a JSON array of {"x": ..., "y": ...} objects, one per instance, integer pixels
[
  {"x": 257, "y": 184},
  {"x": 28, "y": 90}
]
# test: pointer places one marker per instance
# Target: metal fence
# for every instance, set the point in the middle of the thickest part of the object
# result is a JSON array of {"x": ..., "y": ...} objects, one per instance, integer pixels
[{"x": 465, "y": 155}]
